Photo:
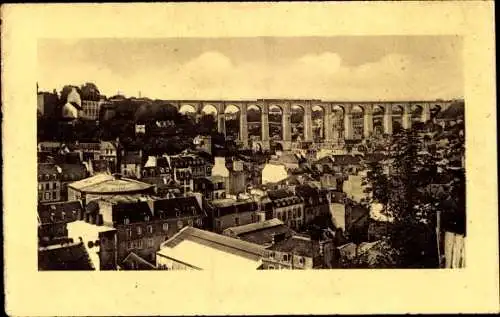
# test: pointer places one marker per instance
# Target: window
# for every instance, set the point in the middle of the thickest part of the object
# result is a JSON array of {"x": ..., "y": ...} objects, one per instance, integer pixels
[
  {"x": 47, "y": 186},
  {"x": 54, "y": 194},
  {"x": 199, "y": 222},
  {"x": 146, "y": 218},
  {"x": 63, "y": 215},
  {"x": 150, "y": 229},
  {"x": 237, "y": 221},
  {"x": 150, "y": 243},
  {"x": 299, "y": 213},
  {"x": 139, "y": 230},
  {"x": 139, "y": 244},
  {"x": 165, "y": 226},
  {"x": 179, "y": 224},
  {"x": 40, "y": 187},
  {"x": 301, "y": 261},
  {"x": 126, "y": 221},
  {"x": 271, "y": 255},
  {"x": 130, "y": 245},
  {"x": 285, "y": 257},
  {"x": 190, "y": 222},
  {"x": 47, "y": 196},
  {"x": 270, "y": 267}
]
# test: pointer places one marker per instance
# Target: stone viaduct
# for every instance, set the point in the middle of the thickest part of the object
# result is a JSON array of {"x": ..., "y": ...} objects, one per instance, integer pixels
[{"x": 340, "y": 119}]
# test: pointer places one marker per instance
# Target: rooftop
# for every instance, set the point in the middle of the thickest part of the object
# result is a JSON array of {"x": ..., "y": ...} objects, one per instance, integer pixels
[
  {"x": 106, "y": 183},
  {"x": 296, "y": 244},
  {"x": 53, "y": 212},
  {"x": 210, "y": 251},
  {"x": 67, "y": 257}
]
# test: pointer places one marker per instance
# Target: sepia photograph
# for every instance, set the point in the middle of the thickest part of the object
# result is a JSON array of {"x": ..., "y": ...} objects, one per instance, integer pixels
[
  {"x": 170, "y": 157},
  {"x": 214, "y": 151}
]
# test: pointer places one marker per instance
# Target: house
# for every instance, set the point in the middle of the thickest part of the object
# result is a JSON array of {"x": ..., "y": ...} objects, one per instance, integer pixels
[
  {"x": 212, "y": 187},
  {"x": 316, "y": 202},
  {"x": 109, "y": 151},
  {"x": 131, "y": 164},
  {"x": 49, "y": 183},
  {"x": 124, "y": 224},
  {"x": 286, "y": 206},
  {"x": 70, "y": 173},
  {"x": 230, "y": 212},
  {"x": 135, "y": 262},
  {"x": 53, "y": 219},
  {"x": 261, "y": 233},
  {"x": 195, "y": 249},
  {"x": 298, "y": 252}
]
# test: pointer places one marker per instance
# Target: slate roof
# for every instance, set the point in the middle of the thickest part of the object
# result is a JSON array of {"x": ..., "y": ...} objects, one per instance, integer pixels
[
  {"x": 71, "y": 210},
  {"x": 296, "y": 244},
  {"x": 67, "y": 257},
  {"x": 177, "y": 207},
  {"x": 346, "y": 159},
  {"x": 231, "y": 206},
  {"x": 47, "y": 169},
  {"x": 73, "y": 171},
  {"x": 220, "y": 242},
  {"x": 262, "y": 232},
  {"x": 239, "y": 230}
]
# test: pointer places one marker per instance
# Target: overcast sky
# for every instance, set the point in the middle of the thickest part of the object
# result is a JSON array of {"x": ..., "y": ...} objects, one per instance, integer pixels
[{"x": 328, "y": 68}]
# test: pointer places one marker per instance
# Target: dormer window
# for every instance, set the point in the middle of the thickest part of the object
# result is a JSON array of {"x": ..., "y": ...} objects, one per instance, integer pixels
[
  {"x": 126, "y": 221},
  {"x": 177, "y": 213},
  {"x": 63, "y": 215},
  {"x": 301, "y": 261},
  {"x": 146, "y": 218},
  {"x": 139, "y": 230}
]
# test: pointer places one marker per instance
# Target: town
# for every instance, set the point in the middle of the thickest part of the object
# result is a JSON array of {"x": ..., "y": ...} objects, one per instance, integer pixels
[{"x": 132, "y": 183}]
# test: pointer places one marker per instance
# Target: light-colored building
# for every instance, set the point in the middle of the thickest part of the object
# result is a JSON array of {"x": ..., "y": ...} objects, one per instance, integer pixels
[
  {"x": 195, "y": 249},
  {"x": 49, "y": 183},
  {"x": 105, "y": 185}
]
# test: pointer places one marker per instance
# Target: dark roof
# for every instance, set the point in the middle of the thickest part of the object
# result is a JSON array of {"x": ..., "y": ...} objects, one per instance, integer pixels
[
  {"x": 279, "y": 194},
  {"x": 262, "y": 232},
  {"x": 132, "y": 158},
  {"x": 134, "y": 211},
  {"x": 296, "y": 244},
  {"x": 346, "y": 159},
  {"x": 186, "y": 160},
  {"x": 73, "y": 171},
  {"x": 185, "y": 206},
  {"x": 233, "y": 207},
  {"x": 71, "y": 210},
  {"x": 67, "y": 257},
  {"x": 47, "y": 169},
  {"x": 374, "y": 157}
]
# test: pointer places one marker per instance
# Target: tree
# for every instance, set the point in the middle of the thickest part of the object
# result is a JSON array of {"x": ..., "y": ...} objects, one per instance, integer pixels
[{"x": 411, "y": 171}]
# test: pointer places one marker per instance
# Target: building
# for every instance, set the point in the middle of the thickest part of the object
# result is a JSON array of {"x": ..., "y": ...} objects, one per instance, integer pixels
[
  {"x": 71, "y": 173},
  {"x": 66, "y": 256},
  {"x": 49, "y": 183},
  {"x": 299, "y": 252},
  {"x": 91, "y": 101},
  {"x": 121, "y": 225},
  {"x": 109, "y": 152},
  {"x": 230, "y": 212},
  {"x": 131, "y": 164},
  {"x": 47, "y": 104},
  {"x": 203, "y": 143},
  {"x": 261, "y": 233},
  {"x": 105, "y": 185},
  {"x": 195, "y": 249},
  {"x": 53, "y": 219},
  {"x": 316, "y": 202},
  {"x": 286, "y": 206},
  {"x": 212, "y": 187}
]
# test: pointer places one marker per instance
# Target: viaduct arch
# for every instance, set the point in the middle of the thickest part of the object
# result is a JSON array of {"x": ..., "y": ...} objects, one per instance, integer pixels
[{"x": 341, "y": 120}]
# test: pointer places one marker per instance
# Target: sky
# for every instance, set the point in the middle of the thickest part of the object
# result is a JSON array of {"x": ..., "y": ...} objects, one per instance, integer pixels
[{"x": 329, "y": 68}]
